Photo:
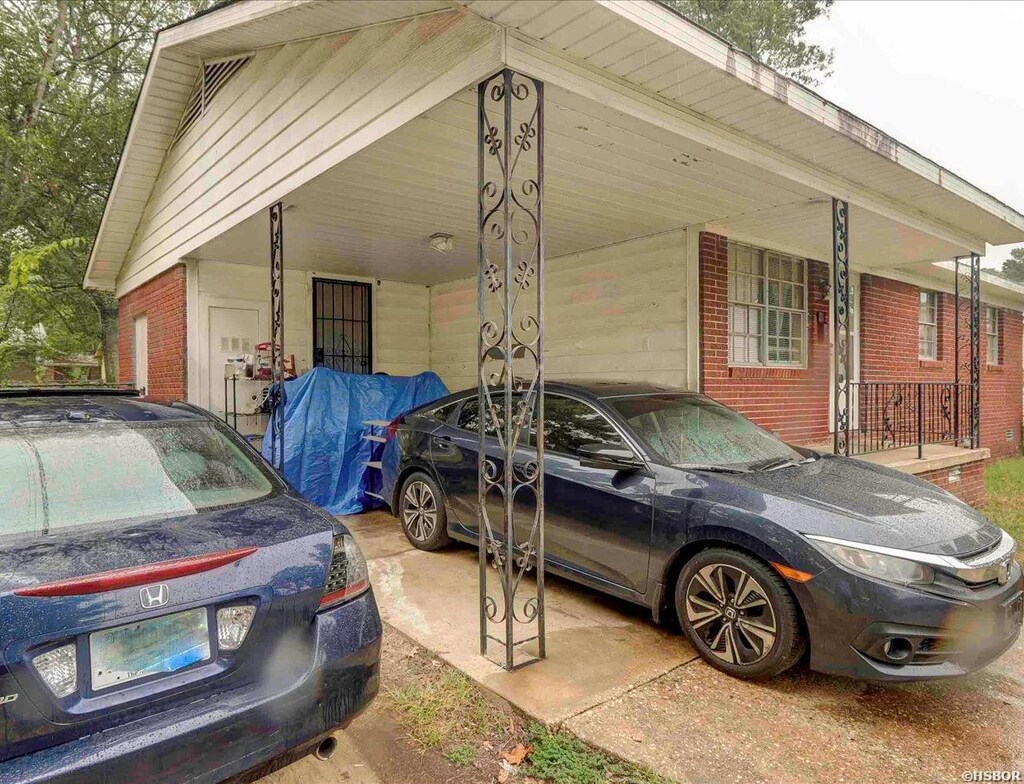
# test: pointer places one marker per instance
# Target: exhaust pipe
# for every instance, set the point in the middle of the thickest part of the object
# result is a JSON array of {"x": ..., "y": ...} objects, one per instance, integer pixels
[{"x": 326, "y": 749}]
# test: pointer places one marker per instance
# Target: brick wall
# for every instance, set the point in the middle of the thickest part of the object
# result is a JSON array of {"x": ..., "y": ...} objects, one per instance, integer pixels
[
  {"x": 889, "y": 352},
  {"x": 970, "y": 488},
  {"x": 793, "y": 402},
  {"x": 162, "y": 301}
]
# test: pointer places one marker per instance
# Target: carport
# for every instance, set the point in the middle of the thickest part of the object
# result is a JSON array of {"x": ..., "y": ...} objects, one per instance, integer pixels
[{"x": 521, "y": 188}]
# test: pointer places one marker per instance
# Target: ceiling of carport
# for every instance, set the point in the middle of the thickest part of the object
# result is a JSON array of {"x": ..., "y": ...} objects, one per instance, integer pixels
[{"x": 609, "y": 178}]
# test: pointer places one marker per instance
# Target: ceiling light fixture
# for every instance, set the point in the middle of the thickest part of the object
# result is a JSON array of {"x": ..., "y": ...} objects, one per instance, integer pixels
[{"x": 442, "y": 243}]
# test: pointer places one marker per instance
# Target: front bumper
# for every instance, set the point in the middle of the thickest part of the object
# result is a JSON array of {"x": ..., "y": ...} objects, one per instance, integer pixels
[
  {"x": 230, "y": 732},
  {"x": 851, "y": 618}
]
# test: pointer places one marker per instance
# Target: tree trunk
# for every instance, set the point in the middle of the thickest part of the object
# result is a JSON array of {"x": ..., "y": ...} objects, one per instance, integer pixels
[
  {"x": 108, "y": 322},
  {"x": 52, "y": 45}
]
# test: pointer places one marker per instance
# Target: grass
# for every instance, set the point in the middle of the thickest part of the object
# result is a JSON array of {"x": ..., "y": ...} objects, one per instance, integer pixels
[
  {"x": 441, "y": 708},
  {"x": 563, "y": 759},
  {"x": 1004, "y": 488}
]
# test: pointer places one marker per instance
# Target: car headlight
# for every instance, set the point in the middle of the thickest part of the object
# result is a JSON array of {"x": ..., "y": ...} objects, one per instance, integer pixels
[{"x": 883, "y": 566}]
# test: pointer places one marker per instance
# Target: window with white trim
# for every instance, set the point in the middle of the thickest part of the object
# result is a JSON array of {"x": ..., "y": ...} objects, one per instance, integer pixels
[
  {"x": 992, "y": 335},
  {"x": 767, "y": 308},
  {"x": 928, "y": 326}
]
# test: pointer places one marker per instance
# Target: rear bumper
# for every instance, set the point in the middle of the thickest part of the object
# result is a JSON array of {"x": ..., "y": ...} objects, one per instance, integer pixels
[{"x": 228, "y": 733}]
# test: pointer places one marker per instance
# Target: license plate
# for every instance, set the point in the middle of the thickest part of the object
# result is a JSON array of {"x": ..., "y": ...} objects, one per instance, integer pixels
[{"x": 159, "y": 645}]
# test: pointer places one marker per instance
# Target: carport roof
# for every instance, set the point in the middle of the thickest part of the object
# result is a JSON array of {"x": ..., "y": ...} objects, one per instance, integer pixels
[{"x": 641, "y": 44}]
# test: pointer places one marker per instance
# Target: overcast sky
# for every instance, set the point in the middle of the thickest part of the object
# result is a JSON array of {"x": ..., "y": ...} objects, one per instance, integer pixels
[{"x": 944, "y": 78}]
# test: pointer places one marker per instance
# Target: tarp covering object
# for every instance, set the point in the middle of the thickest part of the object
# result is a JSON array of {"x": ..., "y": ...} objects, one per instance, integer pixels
[{"x": 325, "y": 412}]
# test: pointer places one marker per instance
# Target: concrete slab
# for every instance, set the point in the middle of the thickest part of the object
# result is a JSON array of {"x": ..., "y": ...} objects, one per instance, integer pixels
[
  {"x": 697, "y": 725},
  {"x": 598, "y": 648}
]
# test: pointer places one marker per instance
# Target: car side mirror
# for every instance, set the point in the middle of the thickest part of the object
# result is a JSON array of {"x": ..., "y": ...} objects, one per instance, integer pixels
[{"x": 612, "y": 457}]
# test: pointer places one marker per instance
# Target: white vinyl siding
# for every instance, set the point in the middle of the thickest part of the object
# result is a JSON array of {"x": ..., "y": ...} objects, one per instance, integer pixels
[
  {"x": 616, "y": 312},
  {"x": 767, "y": 308},
  {"x": 928, "y": 326},
  {"x": 992, "y": 335}
]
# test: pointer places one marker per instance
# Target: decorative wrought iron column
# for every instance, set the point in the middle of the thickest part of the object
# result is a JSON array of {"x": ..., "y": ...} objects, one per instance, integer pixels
[
  {"x": 277, "y": 396},
  {"x": 510, "y": 393},
  {"x": 967, "y": 346},
  {"x": 841, "y": 321}
]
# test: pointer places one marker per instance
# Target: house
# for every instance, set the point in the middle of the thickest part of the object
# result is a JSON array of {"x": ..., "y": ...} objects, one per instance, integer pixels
[{"x": 704, "y": 220}]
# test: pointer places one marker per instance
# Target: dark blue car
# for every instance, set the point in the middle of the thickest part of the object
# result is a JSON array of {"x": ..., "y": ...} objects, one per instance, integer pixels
[
  {"x": 169, "y": 609},
  {"x": 764, "y": 551}
]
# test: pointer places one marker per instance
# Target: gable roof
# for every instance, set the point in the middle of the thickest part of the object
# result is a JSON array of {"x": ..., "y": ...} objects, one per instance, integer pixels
[{"x": 640, "y": 43}]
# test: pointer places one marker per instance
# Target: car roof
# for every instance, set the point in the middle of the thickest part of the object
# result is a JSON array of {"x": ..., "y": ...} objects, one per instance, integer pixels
[
  {"x": 598, "y": 389},
  {"x": 47, "y": 407}
]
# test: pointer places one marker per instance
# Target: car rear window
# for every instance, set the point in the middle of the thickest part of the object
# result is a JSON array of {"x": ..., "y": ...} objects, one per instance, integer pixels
[{"x": 57, "y": 478}]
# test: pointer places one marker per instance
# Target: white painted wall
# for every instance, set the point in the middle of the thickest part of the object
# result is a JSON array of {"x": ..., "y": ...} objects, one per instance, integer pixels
[
  {"x": 617, "y": 312},
  {"x": 400, "y": 313}
]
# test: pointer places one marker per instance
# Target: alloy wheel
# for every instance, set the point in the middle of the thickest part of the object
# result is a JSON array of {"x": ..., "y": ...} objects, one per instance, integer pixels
[
  {"x": 730, "y": 613},
  {"x": 419, "y": 511}
]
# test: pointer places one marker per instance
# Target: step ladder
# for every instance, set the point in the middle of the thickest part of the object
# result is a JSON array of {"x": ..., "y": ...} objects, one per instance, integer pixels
[{"x": 376, "y": 438}]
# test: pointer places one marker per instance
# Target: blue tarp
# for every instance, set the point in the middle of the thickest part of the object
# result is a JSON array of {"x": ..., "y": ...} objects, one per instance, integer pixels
[{"x": 325, "y": 414}]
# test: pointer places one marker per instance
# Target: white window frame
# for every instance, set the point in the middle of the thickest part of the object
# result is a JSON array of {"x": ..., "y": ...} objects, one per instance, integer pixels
[
  {"x": 765, "y": 256},
  {"x": 923, "y": 323},
  {"x": 992, "y": 335}
]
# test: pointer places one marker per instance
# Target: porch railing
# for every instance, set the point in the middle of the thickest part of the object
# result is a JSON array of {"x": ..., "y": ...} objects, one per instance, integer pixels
[{"x": 900, "y": 414}]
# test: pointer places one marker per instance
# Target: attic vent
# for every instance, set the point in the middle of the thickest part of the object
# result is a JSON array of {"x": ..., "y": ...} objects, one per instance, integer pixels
[{"x": 216, "y": 73}]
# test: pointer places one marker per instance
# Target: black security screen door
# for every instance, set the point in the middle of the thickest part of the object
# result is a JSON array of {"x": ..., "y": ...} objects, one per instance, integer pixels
[{"x": 341, "y": 326}]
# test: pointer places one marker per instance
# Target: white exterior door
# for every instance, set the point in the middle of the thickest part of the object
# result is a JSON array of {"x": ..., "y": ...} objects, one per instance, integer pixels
[
  {"x": 232, "y": 333},
  {"x": 140, "y": 353}
]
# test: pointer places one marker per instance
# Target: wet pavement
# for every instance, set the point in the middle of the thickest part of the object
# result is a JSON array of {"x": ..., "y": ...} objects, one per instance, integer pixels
[{"x": 635, "y": 689}]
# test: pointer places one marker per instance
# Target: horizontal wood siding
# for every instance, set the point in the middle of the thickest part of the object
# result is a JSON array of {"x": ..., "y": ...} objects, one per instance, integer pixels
[
  {"x": 617, "y": 312},
  {"x": 294, "y": 112}
]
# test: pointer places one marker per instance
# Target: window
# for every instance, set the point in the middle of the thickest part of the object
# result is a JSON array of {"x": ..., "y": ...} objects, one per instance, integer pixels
[
  {"x": 767, "y": 307},
  {"x": 107, "y": 473},
  {"x": 928, "y": 326},
  {"x": 992, "y": 334},
  {"x": 570, "y": 424},
  {"x": 442, "y": 413}
]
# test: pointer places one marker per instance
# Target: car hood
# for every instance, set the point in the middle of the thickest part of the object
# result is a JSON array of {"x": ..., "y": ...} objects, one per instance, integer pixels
[{"x": 861, "y": 502}]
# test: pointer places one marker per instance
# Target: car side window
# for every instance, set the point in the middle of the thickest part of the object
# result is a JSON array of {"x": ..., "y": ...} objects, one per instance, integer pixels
[
  {"x": 469, "y": 419},
  {"x": 570, "y": 424},
  {"x": 443, "y": 413}
]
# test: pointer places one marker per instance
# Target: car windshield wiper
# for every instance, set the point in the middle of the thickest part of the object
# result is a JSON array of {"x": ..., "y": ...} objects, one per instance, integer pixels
[
  {"x": 720, "y": 469},
  {"x": 782, "y": 462}
]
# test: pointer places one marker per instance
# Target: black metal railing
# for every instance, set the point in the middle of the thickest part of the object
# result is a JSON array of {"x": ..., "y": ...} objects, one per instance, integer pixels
[{"x": 899, "y": 414}]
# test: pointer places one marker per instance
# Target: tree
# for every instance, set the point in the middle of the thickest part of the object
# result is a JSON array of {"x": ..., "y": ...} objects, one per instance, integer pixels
[
  {"x": 70, "y": 71},
  {"x": 1013, "y": 267},
  {"x": 772, "y": 31}
]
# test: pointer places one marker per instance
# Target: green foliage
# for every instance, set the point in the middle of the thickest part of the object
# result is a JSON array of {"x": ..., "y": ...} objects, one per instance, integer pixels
[
  {"x": 1004, "y": 491},
  {"x": 461, "y": 754},
  {"x": 70, "y": 71},
  {"x": 772, "y": 31},
  {"x": 1013, "y": 267},
  {"x": 560, "y": 758}
]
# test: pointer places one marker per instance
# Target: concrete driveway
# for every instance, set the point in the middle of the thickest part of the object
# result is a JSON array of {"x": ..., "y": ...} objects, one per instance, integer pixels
[{"x": 639, "y": 691}]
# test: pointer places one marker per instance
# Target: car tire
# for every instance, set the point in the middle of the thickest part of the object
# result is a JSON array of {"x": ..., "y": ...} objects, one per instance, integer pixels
[
  {"x": 422, "y": 513},
  {"x": 739, "y": 614}
]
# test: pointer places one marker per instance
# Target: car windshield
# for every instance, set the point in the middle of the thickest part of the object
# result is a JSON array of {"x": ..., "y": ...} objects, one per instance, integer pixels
[
  {"x": 693, "y": 430},
  {"x": 58, "y": 478}
]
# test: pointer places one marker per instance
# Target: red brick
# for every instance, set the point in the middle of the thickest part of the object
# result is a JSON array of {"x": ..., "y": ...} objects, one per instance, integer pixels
[{"x": 162, "y": 301}]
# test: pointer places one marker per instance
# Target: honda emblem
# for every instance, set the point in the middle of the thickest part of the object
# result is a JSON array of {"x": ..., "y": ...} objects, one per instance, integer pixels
[{"x": 153, "y": 596}]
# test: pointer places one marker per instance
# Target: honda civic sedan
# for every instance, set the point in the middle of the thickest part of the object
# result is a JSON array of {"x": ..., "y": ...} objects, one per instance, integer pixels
[
  {"x": 169, "y": 609},
  {"x": 764, "y": 551}
]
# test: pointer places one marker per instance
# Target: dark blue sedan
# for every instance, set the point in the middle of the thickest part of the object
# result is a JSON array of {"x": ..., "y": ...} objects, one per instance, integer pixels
[
  {"x": 169, "y": 609},
  {"x": 763, "y": 551}
]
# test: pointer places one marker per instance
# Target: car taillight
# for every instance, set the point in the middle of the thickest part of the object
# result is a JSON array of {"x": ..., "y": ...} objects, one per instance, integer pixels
[
  {"x": 58, "y": 668},
  {"x": 393, "y": 426},
  {"x": 347, "y": 576}
]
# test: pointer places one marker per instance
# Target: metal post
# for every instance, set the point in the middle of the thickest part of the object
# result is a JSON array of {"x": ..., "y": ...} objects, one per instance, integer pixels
[
  {"x": 920, "y": 420},
  {"x": 972, "y": 364},
  {"x": 975, "y": 350},
  {"x": 841, "y": 321},
  {"x": 510, "y": 392},
  {"x": 277, "y": 398}
]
